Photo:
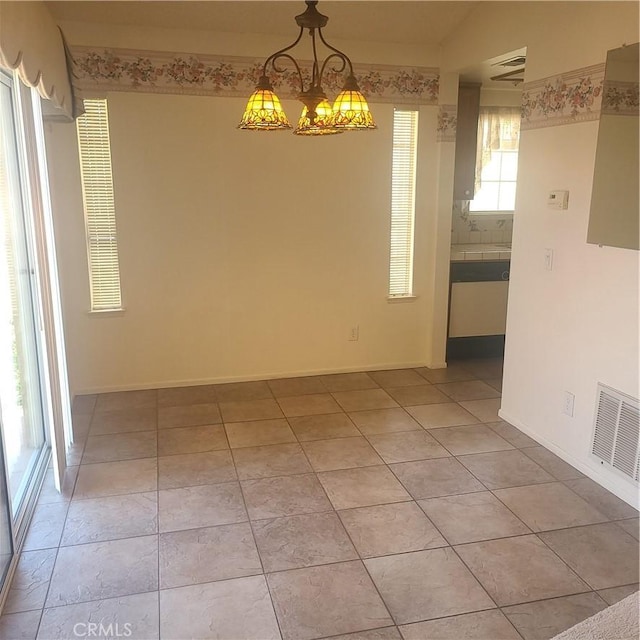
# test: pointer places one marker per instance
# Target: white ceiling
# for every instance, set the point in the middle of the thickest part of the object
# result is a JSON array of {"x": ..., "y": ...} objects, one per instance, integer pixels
[{"x": 411, "y": 22}]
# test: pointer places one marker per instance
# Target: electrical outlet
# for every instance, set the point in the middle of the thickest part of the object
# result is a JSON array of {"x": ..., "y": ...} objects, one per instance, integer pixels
[
  {"x": 569, "y": 400},
  {"x": 354, "y": 335}
]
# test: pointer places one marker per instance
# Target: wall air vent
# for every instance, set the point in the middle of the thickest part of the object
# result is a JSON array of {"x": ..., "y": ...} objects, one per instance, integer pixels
[{"x": 616, "y": 432}]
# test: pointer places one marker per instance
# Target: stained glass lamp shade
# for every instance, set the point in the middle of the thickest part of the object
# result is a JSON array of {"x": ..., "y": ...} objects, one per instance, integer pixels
[
  {"x": 321, "y": 126},
  {"x": 264, "y": 111},
  {"x": 350, "y": 109}
]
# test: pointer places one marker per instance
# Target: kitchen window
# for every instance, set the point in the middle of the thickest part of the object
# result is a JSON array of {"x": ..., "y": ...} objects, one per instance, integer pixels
[
  {"x": 403, "y": 202},
  {"x": 497, "y": 159},
  {"x": 99, "y": 208}
]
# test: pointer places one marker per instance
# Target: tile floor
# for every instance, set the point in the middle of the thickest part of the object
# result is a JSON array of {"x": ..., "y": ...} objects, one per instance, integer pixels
[{"x": 389, "y": 504}]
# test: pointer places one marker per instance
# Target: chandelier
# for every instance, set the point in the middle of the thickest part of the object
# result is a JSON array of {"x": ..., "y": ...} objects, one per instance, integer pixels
[{"x": 350, "y": 111}]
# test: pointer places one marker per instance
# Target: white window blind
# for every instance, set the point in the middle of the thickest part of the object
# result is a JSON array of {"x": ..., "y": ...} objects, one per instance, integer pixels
[
  {"x": 403, "y": 197},
  {"x": 99, "y": 209}
]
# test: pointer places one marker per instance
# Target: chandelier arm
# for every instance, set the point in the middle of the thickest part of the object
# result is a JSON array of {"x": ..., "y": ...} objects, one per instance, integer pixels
[
  {"x": 340, "y": 57},
  {"x": 274, "y": 66},
  {"x": 339, "y": 53},
  {"x": 277, "y": 54},
  {"x": 316, "y": 77}
]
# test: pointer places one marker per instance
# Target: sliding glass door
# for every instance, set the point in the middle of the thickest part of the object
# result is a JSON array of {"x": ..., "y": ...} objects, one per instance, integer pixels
[{"x": 21, "y": 399}]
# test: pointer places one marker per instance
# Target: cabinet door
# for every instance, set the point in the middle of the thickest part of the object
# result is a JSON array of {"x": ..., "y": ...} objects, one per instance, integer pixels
[
  {"x": 466, "y": 141},
  {"x": 478, "y": 309}
]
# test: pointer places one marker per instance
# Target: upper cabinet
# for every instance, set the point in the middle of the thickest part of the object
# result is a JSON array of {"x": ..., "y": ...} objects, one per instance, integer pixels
[
  {"x": 613, "y": 220},
  {"x": 466, "y": 141}
]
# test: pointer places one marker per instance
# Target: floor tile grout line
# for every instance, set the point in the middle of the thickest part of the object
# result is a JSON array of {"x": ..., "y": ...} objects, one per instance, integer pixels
[
  {"x": 593, "y": 506},
  {"x": 416, "y": 498},
  {"x": 257, "y": 547},
  {"x": 326, "y": 511},
  {"x": 455, "y": 615},
  {"x": 574, "y": 571},
  {"x": 84, "y": 446},
  {"x": 341, "y": 635},
  {"x": 46, "y": 596},
  {"x": 411, "y": 499},
  {"x": 117, "y": 495},
  {"x": 361, "y": 560},
  {"x": 158, "y": 514},
  {"x": 81, "y": 602},
  {"x": 366, "y": 569},
  {"x": 540, "y": 484},
  {"x": 550, "y": 472},
  {"x": 570, "y": 595}
]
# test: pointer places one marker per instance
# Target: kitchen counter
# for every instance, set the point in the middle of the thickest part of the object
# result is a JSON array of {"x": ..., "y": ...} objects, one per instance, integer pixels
[{"x": 480, "y": 251}]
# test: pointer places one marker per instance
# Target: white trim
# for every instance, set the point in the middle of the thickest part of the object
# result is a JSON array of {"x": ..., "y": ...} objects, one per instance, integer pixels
[
  {"x": 402, "y": 298},
  {"x": 50, "y": 307},
  {"x": 105, "y": 313},
  {"x": 623, "y": 489}
]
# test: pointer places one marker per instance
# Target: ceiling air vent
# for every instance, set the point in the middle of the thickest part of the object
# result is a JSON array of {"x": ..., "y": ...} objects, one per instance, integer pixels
[
  {"x": 518, "y": 61},
  {"x": 616, "y": 432}
]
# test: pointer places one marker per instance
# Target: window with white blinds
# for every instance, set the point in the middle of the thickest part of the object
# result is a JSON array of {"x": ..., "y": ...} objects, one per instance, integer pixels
[
  {"x": 403, "y": 201},
  {"x": 99, "y": 209}
]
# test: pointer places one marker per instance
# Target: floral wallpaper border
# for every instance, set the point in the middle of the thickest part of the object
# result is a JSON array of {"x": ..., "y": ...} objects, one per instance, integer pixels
[
  {"x": 620, "y": 98},
  {"x": 213, "y": 75},
  {"x": 447, "y": 122},
  {"x": 567, "y": 98}
]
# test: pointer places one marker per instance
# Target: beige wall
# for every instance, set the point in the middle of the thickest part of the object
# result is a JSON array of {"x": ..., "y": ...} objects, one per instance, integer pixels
[
  {"x": 576, "y": 325},
  {"x": 242, "y": 254},
  {"x": 500, "y": 98}
]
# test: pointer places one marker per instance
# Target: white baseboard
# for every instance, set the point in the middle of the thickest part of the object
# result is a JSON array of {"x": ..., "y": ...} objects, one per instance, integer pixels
[
  {"x": 248, "y": 378},
  {"x": 625, "y": 490}
]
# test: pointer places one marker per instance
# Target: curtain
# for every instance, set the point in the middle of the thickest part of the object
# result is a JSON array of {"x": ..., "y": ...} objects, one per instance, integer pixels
[
  {"x": 498, "y": 130},
  {"x": 32, "y": 44}
]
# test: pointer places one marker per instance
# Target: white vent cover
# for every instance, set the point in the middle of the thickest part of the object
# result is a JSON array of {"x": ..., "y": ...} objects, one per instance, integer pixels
[{"x": 616, "y": 432}]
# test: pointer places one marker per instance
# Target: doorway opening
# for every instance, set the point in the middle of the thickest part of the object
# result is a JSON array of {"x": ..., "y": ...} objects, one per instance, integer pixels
[{"x": 485, "y": 186}]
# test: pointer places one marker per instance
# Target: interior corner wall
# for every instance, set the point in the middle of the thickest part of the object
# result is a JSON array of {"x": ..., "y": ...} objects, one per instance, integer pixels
[
  {"x": 577, "y": 325},
  {"x": 243, "y": 255}
]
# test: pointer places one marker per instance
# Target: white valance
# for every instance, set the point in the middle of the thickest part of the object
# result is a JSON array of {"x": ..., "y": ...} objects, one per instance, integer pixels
[{"x": 31, "y": 43}]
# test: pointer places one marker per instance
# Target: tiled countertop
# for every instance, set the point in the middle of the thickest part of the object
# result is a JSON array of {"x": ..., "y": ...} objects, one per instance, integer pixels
[{"x": 488, "y": 251}]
